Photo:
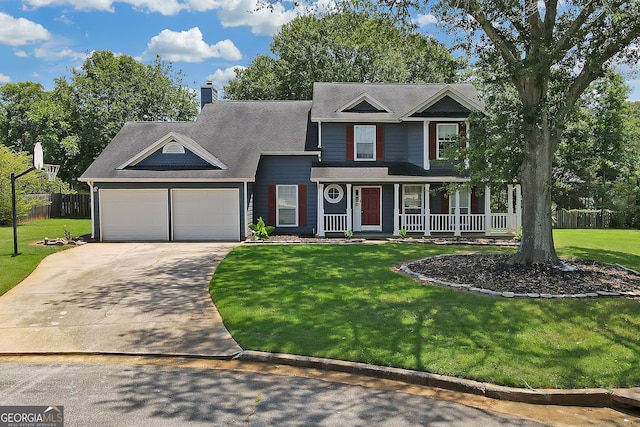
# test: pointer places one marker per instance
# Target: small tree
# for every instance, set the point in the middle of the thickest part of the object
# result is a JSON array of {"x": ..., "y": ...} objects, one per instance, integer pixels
[{"x": 11, "y": 162}]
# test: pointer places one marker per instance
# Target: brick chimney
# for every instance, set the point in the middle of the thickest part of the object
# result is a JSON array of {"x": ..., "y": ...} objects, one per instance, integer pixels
[{"x": 208, "y": 94}]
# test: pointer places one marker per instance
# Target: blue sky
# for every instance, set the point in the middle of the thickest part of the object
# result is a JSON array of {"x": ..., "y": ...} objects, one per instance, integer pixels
[{"x": 44, "y": 39}]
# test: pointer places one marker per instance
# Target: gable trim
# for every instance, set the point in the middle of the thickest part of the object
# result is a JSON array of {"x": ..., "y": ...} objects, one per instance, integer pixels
[
  {"x": 445, "y": 91},
  {"x": 169, "y": 138},
  {"x": 363, "y": 98}
]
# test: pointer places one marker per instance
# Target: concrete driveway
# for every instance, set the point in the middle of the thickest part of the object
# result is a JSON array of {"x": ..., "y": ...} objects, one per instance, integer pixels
[{"x": 132, "y": 298}]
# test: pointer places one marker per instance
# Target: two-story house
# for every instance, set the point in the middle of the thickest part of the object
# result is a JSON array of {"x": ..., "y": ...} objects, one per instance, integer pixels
[{"x": 365, "y": 157}]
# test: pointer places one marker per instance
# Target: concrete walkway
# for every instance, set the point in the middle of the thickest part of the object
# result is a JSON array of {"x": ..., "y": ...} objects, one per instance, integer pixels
[{"x": 129, "y": 298}]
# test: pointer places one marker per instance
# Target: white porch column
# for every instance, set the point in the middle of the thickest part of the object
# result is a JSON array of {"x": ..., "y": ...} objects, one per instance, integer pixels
[
  {"x": 456, "y": 231},
  {"x": 93, "y": 208},
  {"x": 510, "y": 221},
  {"x": 396, "y": 210},
  {"x": 518, "y": 206},
  {"x": 349, "y": 209},
  {"x": 320, "y": 210},
  {"x": 425, "y": 132},
  {"x": 487, "y": 210},
  {"x": 426, "y": 217}
]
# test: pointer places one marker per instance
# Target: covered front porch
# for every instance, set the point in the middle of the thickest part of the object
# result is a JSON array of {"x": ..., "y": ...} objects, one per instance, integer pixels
[{"x": 417, "y": 208}]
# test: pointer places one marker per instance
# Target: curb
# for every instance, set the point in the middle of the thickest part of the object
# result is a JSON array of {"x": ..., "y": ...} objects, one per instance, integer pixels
[
  {"x": 597, "y": 397},
  {"x": 625, "y": 399}
]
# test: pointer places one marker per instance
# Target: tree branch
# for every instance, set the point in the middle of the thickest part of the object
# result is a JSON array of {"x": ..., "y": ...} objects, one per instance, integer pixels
[
  {"x": 506, "y": 48},
  {"x": 565, "y": 43}
]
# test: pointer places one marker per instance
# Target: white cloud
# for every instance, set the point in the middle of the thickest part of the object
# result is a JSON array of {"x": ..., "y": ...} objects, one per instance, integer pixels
[
  {"x": 4, "y": 79},
  {"x": 165, "y": 7},
  {"x": 222, "y": 77},
  {"x": 189, "y": 46},
  {"x": 61, "y": 54},
  {"x": 232, "y": 13},
  {"x": 424, "y": 20},
  {"x": 262, "y": 21},
  {"x": 20, "y": 53},
  {"x": 20, "y": 31},
  {"x": 103, "y": 5}
]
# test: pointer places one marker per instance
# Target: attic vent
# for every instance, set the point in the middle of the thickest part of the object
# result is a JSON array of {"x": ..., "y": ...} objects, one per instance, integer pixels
[{"x": 173, "y": 148}]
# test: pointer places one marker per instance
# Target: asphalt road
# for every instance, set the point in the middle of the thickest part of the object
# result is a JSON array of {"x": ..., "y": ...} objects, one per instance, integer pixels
[{"x": 142, "y": 395}]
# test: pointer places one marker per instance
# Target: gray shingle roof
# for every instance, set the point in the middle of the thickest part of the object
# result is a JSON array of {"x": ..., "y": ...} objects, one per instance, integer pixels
[
  {"x": 400, "y": 99},
  {"x": 236, "y": 132}
]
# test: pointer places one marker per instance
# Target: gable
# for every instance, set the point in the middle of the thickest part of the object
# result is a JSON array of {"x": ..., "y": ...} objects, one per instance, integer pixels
[
  {"x": 363, "y": 104},
  {"x": 364, "y": 107},
  {"x": 173, "y": 152},
  {"x": 446, "y": 106},
  {"x": 172, "y": 159},
  {"x": 446, "y": 103}
]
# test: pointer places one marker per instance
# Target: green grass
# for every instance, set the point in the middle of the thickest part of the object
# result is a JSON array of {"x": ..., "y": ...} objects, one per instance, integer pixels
[
  {"x": 611, "y": 246},
  {"x": 15, "y": 268},
  {"x": 345, "y": 302}
]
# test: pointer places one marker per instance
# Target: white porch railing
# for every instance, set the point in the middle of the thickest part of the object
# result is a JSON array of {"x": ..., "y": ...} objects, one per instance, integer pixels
[
  {"x": 335, "y": 223},
  {"x": 438, "y": 223},
  {"x": 499, "y": 222},
  {"x": 412, "y": 222},
  {"x": 469, "y": 223}
]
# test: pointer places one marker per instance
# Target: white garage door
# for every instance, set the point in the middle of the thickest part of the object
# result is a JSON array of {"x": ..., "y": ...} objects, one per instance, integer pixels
[
  {"x": 205, "y": 214},
  {"x": 134, "y": 214}
]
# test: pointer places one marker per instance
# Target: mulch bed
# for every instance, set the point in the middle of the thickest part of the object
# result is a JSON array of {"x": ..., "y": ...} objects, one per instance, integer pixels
[{"x": 490, "y": 271}]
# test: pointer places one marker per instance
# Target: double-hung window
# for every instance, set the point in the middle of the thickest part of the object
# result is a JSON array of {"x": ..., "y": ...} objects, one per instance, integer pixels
[
  {"x": 412, "y": 199},
  {"x": 364, "y": 142},
  {"x": 464, "y": 200},
  {"x": 287, "y": 209},
  {"x": 447, "y": 139}
]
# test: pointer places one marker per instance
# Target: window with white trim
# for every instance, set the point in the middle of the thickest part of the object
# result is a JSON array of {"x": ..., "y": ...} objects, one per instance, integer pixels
[
  {"x": 464, "y": 202},
  {"x": 412, "y": 199},
  {"x": 364, "y": 140},
  {"x": 333, "y": 193},
  {"x": 287, "y": 209},
  {"x": 447, "y": 138}
]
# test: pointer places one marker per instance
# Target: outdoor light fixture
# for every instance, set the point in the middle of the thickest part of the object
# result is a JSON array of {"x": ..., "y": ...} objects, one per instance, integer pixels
[{"x": 38, "y": 163}]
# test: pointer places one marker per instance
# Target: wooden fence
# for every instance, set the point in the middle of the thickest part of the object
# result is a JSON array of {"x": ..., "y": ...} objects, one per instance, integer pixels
[
  {"x": 582, "y": 219},
  {"x": 58, "y": 205}
]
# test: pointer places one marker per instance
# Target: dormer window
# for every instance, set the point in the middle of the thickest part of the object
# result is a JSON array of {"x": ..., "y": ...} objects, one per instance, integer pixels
[
  {"x": 173, "y": 147},
  {"x": 364, "y": 142}
]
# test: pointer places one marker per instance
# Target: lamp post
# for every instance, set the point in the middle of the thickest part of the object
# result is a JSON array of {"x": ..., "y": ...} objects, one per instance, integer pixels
[{"x": 37, "y": 164}]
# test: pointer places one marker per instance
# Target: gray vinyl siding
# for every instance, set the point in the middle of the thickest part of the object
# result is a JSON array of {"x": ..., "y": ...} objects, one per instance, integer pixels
[
  {"x": 395, "y": 142},
  {"x": 415, "y": 143},
  {"x": 285, "y": 170},
  {"x": 387, "y": 208},
  {"x": 168, "y": 187},
  {"x": 334, "y": 140}
]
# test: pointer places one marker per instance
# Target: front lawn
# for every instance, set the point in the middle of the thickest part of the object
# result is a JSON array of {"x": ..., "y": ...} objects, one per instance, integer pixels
[
  {"x": 15, "y": 268},
  {"x": 345, "y": 302}
]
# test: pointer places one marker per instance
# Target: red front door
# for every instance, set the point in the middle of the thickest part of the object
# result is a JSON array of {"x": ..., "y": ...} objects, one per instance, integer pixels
[{"x": 370, "y": 206}]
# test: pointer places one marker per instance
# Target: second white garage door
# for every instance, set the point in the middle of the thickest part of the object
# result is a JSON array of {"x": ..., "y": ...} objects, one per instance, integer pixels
[{"x": 205, "y": 214}]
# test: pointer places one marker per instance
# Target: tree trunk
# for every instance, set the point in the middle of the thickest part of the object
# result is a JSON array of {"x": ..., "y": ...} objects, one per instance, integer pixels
[{"x": 537, "y": 245}]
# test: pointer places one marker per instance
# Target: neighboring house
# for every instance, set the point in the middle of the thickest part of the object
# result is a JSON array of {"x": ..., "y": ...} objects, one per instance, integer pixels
[{"x": 365, "y": 157}]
